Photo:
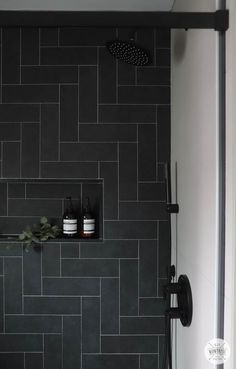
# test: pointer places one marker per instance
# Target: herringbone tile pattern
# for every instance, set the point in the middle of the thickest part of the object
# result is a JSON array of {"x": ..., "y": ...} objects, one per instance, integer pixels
[{"x": 69, "y": 110}]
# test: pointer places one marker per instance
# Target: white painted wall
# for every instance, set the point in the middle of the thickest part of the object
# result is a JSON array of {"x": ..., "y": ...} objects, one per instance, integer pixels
[
  {"x": 195, "y": 149},
  {"x": 87, "y": 5}
]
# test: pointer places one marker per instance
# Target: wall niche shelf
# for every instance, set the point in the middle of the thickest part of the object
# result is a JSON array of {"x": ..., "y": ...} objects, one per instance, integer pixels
[{"x": 24, "y": 201}]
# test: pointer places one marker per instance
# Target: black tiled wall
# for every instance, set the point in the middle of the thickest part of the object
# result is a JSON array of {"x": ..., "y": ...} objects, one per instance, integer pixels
[{"x": 69, "y": 110}]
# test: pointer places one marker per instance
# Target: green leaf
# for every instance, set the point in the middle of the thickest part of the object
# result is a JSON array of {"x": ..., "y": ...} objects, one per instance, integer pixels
[
  {"x": 39, "y": 233},
  {"x": 35, "y": 239},
  {"x": 43, "y": 220},
  {"x": 21, "y": 236},
  {"x": 46, "y": 226},
  {"x": 44, "y": 238}
]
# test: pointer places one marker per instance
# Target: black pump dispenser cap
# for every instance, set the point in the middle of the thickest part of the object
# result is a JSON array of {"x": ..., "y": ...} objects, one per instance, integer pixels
[{"x": 87, "y": 205}]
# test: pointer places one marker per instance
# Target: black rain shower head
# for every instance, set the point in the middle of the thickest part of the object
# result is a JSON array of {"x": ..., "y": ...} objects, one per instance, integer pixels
[{"x": 128, "y": 52}]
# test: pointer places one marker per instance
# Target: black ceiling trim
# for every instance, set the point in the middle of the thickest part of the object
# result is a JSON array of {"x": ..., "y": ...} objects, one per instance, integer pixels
[{"x": 218, "y": 20}]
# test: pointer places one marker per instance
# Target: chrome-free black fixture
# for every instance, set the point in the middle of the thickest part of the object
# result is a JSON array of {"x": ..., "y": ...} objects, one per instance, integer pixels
[
  {"x": 170, "y": 208},
  {"x": 128, "y": 52},
  {"x": 183, "y": 311},
  {"x": 218, "y": 20}
]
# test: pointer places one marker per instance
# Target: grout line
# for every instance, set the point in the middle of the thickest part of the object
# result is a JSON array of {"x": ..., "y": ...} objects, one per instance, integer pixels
[
  {"x": 100, "y": 323},
  {"x": 119, "y": 296},
  {"x": 140, "y": 201},
  {"x": 138, "y": 274},
  {"x": 58, "y": 36},
  {"x": 62, "y": 341},
  {"x": 70, "y": 47},
  {"x": 98, "y": 95},
  {"x": 135, "y": 220},
  {"x": 59, "y": 124},
  {"x": 20, "y": 52},
  {"x": 3, "y": 297},
  {"x": 123, "y": 353},
  {"x": 21, "y": 139},
  {"x": 7, "y": 197},
  {"x": 43, "y": 349},
  {"x": 41, "y": 266},
  {"x": 152, "y": 297},
  {"x": 71, "y": 161},
  {"x": 40, "y": 139},
  {"x": 54, "y": 199},
  {"x": 93, "y": 142},
  {"x": 12, "y": 141},
  {"x": 99, "y": 169},
  {"x": 1, "y": 66},
  {"x": 158, "y": 258},
  {"x": 78, "y": 277},
  {"x": 155, "y": 67},
  {"x": 157, "y": 169},
  {"x": 61, "y": 65},
  {"x": 2, "y": 143},
  {"x": 118, "y": 179},
  {"x": 39, "y": 46},
  {"x": 75, "y": 180},
  {"x": 81, "y": 196},
  {"x": 81, "y": 332},
  {"x": 103, "y": 207},
  {"x": 110, "y": 258},
  {"x": 117, "y": 73},
  {"x": 155, "y": 182},
  {"x": 56, "y": 103},
  {"x": 137, "y": 161},
  {"x": 48, "y": 84},
  {"x": 140, "y": 317},
  {"x": 78, "y": 104},
  {"x": 20, "y": 352},
  {"x": 22, "y": 281},
  {"x": 132, "y": 335},
  {"x": 57, "y": 315},
  {"x": 61, "y": 246},
  {"x": 135, "y": 104},
  {"x": 145, "y": 85}
]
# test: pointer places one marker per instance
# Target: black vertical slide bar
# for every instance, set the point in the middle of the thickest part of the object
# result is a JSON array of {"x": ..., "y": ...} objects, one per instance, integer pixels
[
  {"x": 222, "y": 179},
  {"x": 170, "y": 208}
]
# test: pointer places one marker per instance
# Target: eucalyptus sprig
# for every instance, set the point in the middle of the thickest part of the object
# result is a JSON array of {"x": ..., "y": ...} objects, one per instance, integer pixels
[{"x": 39, "y": 232}]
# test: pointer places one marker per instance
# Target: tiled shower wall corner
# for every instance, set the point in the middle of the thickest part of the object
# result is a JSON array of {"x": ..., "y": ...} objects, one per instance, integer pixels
[{"x": 69, "y": 110}]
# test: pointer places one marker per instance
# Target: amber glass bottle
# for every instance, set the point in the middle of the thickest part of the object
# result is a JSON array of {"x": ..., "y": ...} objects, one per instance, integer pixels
[
  {"x": 88, "y": 221},
  {"x": 70, "y": 222}
]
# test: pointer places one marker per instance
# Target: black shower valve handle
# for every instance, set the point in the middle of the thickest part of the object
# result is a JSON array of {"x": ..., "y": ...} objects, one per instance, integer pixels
[
  {"x": 172, "y": 288},
  {"x": 183, "y": 292},
  {"x": 174, "y": 313}
]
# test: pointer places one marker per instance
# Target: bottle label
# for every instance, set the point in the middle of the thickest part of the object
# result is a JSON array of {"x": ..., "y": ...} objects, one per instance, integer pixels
[
  {"x": 89, "y": 226},
  {"x": 70, "y": 226}
]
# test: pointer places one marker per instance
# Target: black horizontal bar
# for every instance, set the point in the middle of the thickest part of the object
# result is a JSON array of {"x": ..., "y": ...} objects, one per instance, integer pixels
[{"x": 218, "y": 20}]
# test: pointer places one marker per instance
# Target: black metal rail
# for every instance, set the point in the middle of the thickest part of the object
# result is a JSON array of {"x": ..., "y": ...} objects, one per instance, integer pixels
[{"x": 218, "y": 20}]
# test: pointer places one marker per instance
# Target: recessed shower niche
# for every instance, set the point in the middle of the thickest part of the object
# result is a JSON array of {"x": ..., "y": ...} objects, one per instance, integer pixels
[{"x": 24, "y": 201}]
